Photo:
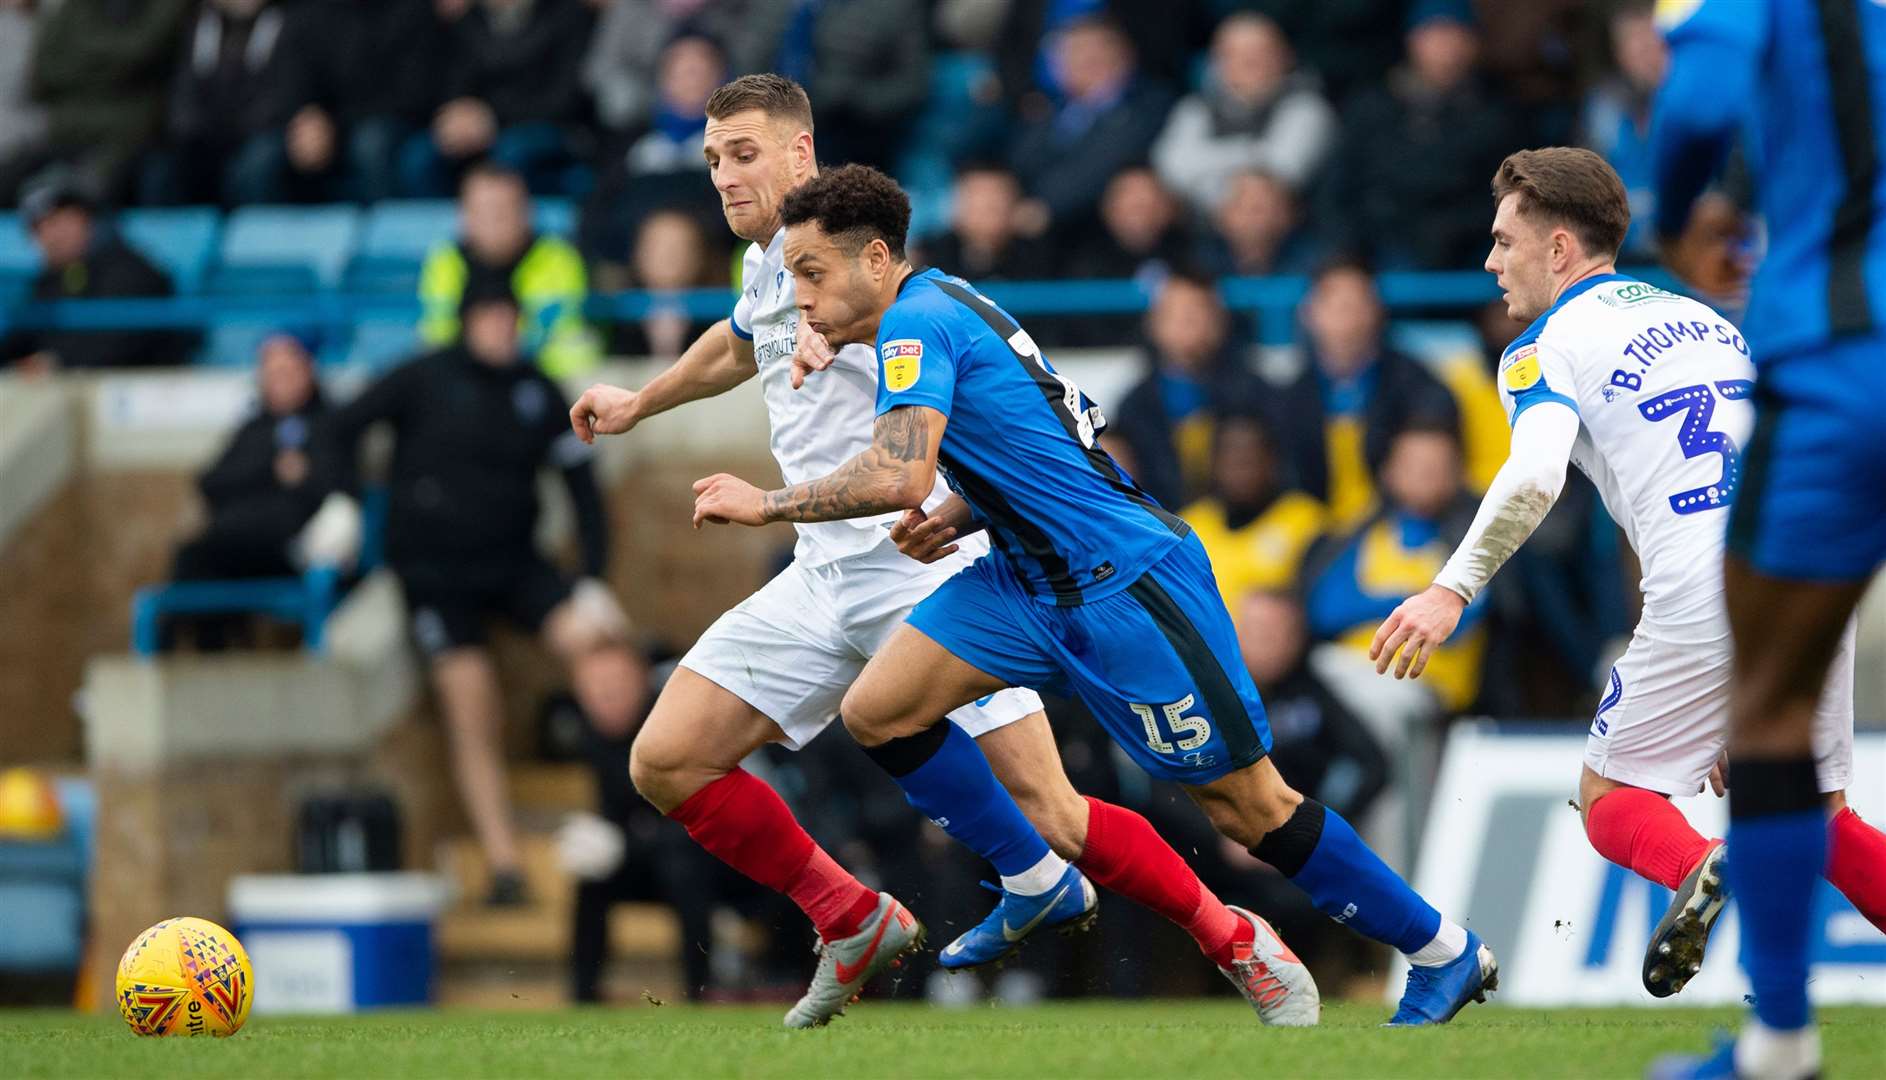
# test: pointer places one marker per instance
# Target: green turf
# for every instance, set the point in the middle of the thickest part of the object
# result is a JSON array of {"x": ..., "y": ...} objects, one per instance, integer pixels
[{"x": 1123, "y": 1039}]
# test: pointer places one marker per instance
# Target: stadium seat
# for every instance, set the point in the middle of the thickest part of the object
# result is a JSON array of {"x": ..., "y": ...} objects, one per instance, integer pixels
[
  {"x": 234, "y": 344},
  {"x": 394, "y": 240},
  {"x": 18, "y": 256},
  {"x": 307, "y": 600},
  {"x": 381, "y": 342},
  {"x": 181, "y": 240},
  {"x": 285, "y": 249},
  {"x": 556, "y": 217}
]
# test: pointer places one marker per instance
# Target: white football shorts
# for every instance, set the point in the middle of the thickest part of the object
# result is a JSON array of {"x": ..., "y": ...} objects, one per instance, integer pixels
[
  {"x": 792, "y": 649},
  {"x": 1665, "y": 716}
]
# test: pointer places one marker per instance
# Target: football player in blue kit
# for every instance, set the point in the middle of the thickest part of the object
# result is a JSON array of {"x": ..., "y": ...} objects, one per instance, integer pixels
[
  {"x": 1806, "y": 81},
  {"x": 1091, "y": 590}
]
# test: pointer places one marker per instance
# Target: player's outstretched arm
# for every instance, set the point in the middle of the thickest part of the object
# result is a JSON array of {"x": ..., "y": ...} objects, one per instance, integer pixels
[
  {"x": 896, "y": 472},
  {"x": 1521, "y": 494},
  {"x": 718, "y": 361}
]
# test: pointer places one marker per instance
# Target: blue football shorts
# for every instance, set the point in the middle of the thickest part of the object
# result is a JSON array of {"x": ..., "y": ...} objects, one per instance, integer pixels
[
  {"x": 1813, "y": 500},
  {"x": 1157, "y": 663}
]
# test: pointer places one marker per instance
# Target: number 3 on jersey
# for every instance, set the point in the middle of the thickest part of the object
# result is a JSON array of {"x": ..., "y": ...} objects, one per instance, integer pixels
[
  {"x": 1188, "y": 732},
  {"x": 1697, "y": 406}
]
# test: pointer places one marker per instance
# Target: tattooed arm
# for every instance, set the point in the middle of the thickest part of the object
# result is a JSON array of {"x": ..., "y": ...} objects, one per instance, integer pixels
[
  {"x": 1516, "y": 502},
  {"x": 897, "y": 472}
]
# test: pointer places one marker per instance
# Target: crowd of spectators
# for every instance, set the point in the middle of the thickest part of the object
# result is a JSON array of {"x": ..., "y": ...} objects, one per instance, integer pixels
[{"x": 1087, "y": 138}]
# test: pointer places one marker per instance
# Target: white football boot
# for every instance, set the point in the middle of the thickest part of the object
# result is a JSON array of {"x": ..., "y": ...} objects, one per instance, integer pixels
[
  {"x": 1272, "y": 979},
  {"x": 847, "y": 964}
]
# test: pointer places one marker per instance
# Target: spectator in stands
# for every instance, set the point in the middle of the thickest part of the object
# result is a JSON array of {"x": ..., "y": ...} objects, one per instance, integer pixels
[
  {"x": 1027, "y": 47},
  {"x": 1353, "y": 393},
  {"x": 982, "y": 243},
  {"x": 1355, "y": 579},
  {"x": 22, "y": 120},
  {"x": 82, "y": 259},
  {"x": 266, "y": 483},
  {"x": 360, "y": 86},
  {"x": 1257, "y": 229},
  {"x": 512, "y": 90},
  {"x": 102, "y": 69},
  {"x": 473, "y": 424},
  {"x": 1407, "y": 184},
  {"x": 1616, "y": 121},
  {"x": 864, "y": 63},
  {"x": 1195, "y": 374},
  {"x": 1316, "y": 741},
  {"x": 1107, "y": 119},
  {"x": 624, "y": 64},
  {"x": 658, "y": 164},
  {"x": 671, "y": 254},
  {"x": 230, "y": 102},
  {"x": 1255, "y": 112},
  {"x": 1255, "y": 531},
  {"x": 1348, "y": 43},
  {"x": 497, "y": 243},
  {"x": 1141, "y": 234}
]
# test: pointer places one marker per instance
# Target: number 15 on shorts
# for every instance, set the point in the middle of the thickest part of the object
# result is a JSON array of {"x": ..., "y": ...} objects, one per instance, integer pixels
[{"x": 1180, "y": 733}]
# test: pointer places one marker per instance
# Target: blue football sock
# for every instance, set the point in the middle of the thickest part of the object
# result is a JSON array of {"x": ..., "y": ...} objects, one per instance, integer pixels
[
  {"x": 945, "y": 776},
  {"x": 1777, "y": 850},
  {"x": 1318, "y": 851}
]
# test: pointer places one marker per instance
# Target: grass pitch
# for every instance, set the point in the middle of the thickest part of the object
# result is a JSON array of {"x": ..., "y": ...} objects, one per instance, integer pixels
[{"x": 1139, "y": 1040}]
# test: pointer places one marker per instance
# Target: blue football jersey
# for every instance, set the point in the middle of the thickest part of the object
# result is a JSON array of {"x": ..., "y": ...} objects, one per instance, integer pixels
[
  {"x": 1021, "y": 444},
  {"x": 1806, "y": 79}
]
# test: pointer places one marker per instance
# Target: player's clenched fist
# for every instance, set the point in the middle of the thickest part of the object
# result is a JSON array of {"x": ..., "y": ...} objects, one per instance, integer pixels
[
  {"x": 603, "y": 410},
  {"x": 1415, "y": 629},
  {"x": 922, "y": 537},
  {"x": 728, "y": 500}
]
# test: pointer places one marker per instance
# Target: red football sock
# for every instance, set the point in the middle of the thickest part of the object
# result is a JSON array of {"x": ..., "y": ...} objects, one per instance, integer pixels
[
  {"x": 746, "y": 825},
  {"x": 1125, "y": 854},
  {"x": 1856, "y": 864},
  {"x": 1640, "y": 831}
]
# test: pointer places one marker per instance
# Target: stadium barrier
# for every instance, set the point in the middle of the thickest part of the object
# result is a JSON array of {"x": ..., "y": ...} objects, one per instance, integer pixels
[
  {"x": 1273, "y": 300},
  {"x": 1506, "y": 849}
]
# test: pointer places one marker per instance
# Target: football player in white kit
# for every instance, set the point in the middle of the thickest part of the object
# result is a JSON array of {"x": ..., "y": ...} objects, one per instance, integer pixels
[
  {"x": 775, "y": 668},
  {"x": 1648, "y": 393}
]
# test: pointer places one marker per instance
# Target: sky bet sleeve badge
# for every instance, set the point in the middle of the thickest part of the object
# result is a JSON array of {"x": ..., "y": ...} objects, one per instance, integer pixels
[
  {"x": 1522, "y": 371},
  {"x": 903, "y": 362}
]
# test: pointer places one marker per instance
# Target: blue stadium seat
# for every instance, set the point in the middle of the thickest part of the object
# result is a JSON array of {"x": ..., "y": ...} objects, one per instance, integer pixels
[
  {"x": 380, "y": 342},
  {"x": 18, "y": 255},
  {"x": 308, "y": 600},
  {"x": 234, "y": 344},
  {"x": 285, "y": 249},
  {"x": 555, "y": 217},
  {"x": 180, "y": 240},
  {"x": 394, "y": 240}
]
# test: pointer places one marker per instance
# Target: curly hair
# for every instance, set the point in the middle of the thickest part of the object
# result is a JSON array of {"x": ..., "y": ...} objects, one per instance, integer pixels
[{"x": 854, "y": 204}]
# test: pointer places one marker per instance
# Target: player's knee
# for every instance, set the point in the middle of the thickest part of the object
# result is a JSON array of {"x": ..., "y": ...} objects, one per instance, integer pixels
[
  {"x": 870, "y": 719},
  {"x": 656, "y": 768}
]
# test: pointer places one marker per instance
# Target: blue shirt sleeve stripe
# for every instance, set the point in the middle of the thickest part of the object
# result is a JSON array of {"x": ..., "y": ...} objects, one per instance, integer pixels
[{"x": 1529, "y": 398}]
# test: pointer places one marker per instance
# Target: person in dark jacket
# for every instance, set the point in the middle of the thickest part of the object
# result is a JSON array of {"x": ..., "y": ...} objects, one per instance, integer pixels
[
  {"x": 1107, "y": 118},
  {"x": 84, "y": 260},
  {"x": 1407, "y": 186},
  {"x": 262, "y": 488},
  {"x": 1335, "y": 419},
  {"x": 1195, "y": 374},
  {"x": 229, "y": 103},
  {"x": 360, "y": 86},
  {"x": 473, "y": 424},
  {"x": 102, "y": 69},
  {"x": 982, "y": 243},
  {"x": 512, "y": 90}
]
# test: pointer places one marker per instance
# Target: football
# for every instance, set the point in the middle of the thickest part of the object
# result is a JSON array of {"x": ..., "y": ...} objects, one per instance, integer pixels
[{"x": 185, "y": 976}]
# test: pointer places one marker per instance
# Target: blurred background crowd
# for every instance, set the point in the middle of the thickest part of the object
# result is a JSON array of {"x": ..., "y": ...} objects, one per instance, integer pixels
[{"x": 542, "y": 159}]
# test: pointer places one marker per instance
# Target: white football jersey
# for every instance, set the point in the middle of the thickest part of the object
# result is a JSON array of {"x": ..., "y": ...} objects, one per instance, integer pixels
[
  {"x": 824, "y": 423},
  {"x": 1663, "y": 388}
]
